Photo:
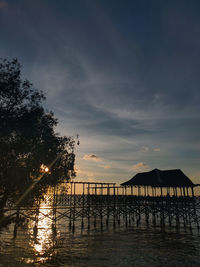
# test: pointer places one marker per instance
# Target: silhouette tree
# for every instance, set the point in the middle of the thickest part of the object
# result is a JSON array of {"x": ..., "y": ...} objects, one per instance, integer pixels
[{"x": 28, "y": 138}]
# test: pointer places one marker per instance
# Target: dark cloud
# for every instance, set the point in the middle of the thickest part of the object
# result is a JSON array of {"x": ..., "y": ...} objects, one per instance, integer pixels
[
  {"x": 92, "y": 157},
  {"x": 127, "y": 74}
]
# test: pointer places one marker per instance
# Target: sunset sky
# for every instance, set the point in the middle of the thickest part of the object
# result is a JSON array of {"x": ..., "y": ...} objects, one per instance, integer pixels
[{"x": 124, "y": 75}]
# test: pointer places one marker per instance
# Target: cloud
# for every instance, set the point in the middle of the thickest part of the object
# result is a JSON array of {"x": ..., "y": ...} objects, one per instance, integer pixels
[
  {"x": 92, "y": 157},
  {"x": 105, "y": 166},
  {"x": 144, "y": 149},
  {"x": 139, "y": 166},
  {"x": 106, "y": 89}
]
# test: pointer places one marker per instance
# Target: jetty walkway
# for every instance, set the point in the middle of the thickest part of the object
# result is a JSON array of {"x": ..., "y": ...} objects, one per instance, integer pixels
[{"x": 92, "y": 204}]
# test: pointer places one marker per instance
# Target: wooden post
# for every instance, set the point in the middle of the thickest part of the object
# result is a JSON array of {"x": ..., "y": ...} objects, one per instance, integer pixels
[
  {"x": 114, "y": 207},
  {"x": 83, "y": 206},
  {"x": 83, "y": 189},
  {"x": 153, "y": 207},
  {"x": 101, "y": 211},
  {"x": 88, "y": 206},
  {"x": 192, "y": 188},
  {"x": 168, "y": 191},
  {"x": 95, "y": 189},
  {"x": 187, "y": 191},
  {"x": 70, "y": 208},
  {"x": 184, "y": 191},
  {"x": 95, "y": 204},
  {"x": 108, "y": 190},
  {"x": 74, "y": 209},
  {"x": 181, "y": 190},
  {"x": 108, "y": 201}
]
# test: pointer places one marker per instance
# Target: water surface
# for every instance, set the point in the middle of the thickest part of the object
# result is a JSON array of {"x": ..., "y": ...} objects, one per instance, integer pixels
[{"x": 132, "y": 246}]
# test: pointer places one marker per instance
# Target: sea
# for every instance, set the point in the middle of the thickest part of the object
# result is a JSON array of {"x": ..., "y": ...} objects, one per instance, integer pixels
[{"x": 131, "y": 245}]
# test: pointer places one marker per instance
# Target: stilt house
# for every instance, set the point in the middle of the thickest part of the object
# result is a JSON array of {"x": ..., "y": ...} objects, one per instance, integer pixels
[{"x": 168, "y": 182}]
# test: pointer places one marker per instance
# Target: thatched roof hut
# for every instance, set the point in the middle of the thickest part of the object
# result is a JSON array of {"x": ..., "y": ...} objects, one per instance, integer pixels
[{"x": 158, "y": 178}]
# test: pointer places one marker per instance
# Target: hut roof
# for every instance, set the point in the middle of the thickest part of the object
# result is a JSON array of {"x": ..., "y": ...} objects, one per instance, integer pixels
[{"x": 158, "y": 178}]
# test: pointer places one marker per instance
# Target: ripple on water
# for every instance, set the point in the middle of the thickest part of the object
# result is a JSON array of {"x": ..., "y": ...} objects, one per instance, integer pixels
[{"x": 122, "y": 247}]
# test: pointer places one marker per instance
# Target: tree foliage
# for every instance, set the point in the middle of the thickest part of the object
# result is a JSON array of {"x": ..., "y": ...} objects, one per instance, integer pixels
[{"x": 28, "y": 138}]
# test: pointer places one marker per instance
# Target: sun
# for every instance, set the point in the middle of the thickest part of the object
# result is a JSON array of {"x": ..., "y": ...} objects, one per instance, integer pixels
[{"x": 44, "y": 168}]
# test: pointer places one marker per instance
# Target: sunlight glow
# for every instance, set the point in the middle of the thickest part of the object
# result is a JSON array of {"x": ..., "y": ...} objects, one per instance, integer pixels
[
  {"x": 44, "y": 168},
  {"x": 43, "y": 237}
]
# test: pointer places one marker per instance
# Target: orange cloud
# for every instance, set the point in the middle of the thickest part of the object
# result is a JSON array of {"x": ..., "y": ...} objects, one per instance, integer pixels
[
  {"x": 157, "y": 149},
  {"x": 139, "y": 166},
  {"x": 105, "y": 166}
]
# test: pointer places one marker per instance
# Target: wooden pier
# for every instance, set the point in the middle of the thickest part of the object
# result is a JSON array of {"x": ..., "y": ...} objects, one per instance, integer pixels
[{"x": 92, "y": 204}]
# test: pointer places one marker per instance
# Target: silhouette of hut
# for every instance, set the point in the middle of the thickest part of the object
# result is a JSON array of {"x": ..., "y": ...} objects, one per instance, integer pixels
[{"x": 168, "y": 179}]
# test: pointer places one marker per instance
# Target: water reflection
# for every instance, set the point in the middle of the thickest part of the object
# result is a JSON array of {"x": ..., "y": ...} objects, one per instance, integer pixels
[
  {"x": 124, "y": 247},
  {"x": 42, "y": 233},
  {"x": 45, "y": 244}
]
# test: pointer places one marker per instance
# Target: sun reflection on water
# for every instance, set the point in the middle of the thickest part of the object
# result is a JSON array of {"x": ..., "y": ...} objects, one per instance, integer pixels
[{"x": 42, "y": 233}]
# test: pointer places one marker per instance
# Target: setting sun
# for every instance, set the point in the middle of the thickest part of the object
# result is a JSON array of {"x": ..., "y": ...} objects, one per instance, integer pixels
[{"x": 44, "y": 168}]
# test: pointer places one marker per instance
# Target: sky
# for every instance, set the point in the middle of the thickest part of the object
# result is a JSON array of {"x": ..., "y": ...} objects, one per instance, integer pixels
[{"x": 124, "y": 75}]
